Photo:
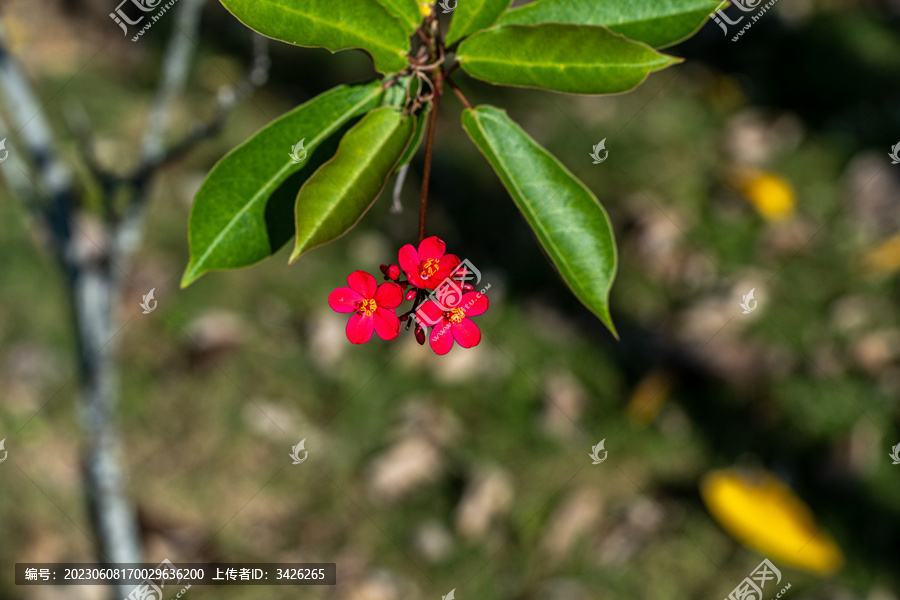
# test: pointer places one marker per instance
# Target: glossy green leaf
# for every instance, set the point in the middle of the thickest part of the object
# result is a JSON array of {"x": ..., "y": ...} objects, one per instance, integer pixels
[
  {"x": 337, "y": 196},
  {"x": 400, "y": 91},
  {"x": 421, "y": 122},
  {"x": 577, "y": 59},
  {"x": 564, "y": 214},
  {"x": 405, "y": 10},
  {"x": 659, "y": 23},
  {"x": 395, "y": 95},
  {"x": 332, "y": 24},
  {"x": 232, "y": 222},
  {"x": 474, "y": 15}
]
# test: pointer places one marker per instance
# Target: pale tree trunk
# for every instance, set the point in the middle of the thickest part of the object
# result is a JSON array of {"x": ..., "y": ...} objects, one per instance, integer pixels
[
  {"x": 94, "y": 278},
  {"x": 112, "y": 511}
]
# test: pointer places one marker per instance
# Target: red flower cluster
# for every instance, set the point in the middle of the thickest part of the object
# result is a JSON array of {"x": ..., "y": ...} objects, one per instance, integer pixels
[{"x": 435, "y": 283}]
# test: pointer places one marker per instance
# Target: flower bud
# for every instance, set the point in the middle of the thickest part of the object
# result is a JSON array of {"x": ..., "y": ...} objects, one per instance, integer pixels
[
  {"x": 420, "y": 335},
  {"x": 468, "y": 287},
  {"x": 384, "y": 270},
  {"x": 393, "y": 272},
  {"x": 411, "y": 294}
]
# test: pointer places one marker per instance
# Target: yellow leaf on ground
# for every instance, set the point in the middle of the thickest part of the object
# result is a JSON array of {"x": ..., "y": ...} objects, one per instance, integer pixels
[
  {"x": 649, "y": 397},
  {"x": 884, "y": 258},
  {"x": 761, "y": 512},
  {"x": 771, "y": 195}
]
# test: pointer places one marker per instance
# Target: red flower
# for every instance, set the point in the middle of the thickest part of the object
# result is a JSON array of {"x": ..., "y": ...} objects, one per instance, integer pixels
[
  {"x": 454, "y": 323},
  {"x": 374, "y": 307},
  {"x": 429, "y": 266}
]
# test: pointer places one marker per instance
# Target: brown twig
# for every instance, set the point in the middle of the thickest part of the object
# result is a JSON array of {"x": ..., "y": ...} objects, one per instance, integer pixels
[
  {"x": 458, "y": 92},
  {"x": 392, "y": 80},
  {"x": 432, "y": 66}
]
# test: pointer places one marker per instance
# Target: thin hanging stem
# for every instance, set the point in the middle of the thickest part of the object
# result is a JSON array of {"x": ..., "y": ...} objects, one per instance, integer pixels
[
  {"x": 429, "y": 149},
  {"x": 437, "y": 85}
]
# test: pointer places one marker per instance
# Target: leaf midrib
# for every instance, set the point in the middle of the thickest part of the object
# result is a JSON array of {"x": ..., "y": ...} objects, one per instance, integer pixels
[
  {"x": 674, "y": 13},
  {"x": 402, "y": 16},
  {"x": 468, "y": 23},
  {"x": 328, "y": 24},
  {"x": 660, "y": 17},
  {"x": 270, "y": 183},
  {"x": 546, "y": 236},
  {"x": 371, "y": 158},
  {"x": 562, "y": 66}
]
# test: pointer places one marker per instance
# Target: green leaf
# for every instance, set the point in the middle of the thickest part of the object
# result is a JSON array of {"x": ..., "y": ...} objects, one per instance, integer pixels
[
  {"x": 421, "y": 121},
  {"x": 659, "y": 23},
  {"x": 232, "y": 222},
  {"x": 405, "y": 10},
  {"x": 395, "y": 95},
  {"x": 337, "y": 196},
  {"x": 564, "y": 214},
  {"x": 577, "y": 59},
  {"x": 332, "y": 24},
  {"x": 474, "y": 15}
]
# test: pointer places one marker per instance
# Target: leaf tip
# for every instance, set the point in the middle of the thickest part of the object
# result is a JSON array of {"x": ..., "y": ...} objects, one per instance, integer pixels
[
  {"x": 612, "y": 330},
  {"x": 606, "y": 319},
  {"x": 190, "y": 276},
  {"x": 671, "y": 60}
]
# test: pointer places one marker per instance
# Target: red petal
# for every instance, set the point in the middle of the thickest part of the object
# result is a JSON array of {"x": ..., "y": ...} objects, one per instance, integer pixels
[
  {"x": 359, "y": 328},
  {"x": 387, "y": 325},
  {"x": 408, "y": 259},
  {"x": 415, "y": 279},
  {"x": 343, "y": 300},
  {"x": 431, "y": 247},
  {"x": 446, "y": 266},
  {"x": 389, "y": 295},
  {"x": 442, "y": 339},
  {"x": 474, "y": 303},
  {"x": 363, "y": 283},
  {"x": 430, "y": 314},
  {"x": 432, "y": 282},
  {"x": 466, "y": 333}
]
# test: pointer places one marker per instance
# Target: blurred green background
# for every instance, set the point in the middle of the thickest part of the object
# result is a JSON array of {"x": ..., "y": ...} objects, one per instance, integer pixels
[{"x": 755, "y": 164}]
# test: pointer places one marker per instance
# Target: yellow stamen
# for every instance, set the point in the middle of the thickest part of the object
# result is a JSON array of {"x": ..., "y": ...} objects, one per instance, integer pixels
[
  {"x": 367, "y": 307},
  {"x": 429, "y": 268},
  {"x": 455, "y": 315}
]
